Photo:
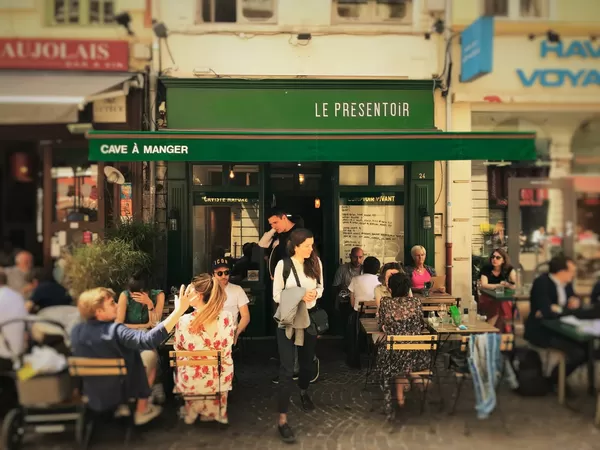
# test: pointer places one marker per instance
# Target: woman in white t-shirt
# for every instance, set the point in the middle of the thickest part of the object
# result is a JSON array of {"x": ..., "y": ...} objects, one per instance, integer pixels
[
  {"x": 362, "y": 287},
  {"x": 306, "y": 265}
]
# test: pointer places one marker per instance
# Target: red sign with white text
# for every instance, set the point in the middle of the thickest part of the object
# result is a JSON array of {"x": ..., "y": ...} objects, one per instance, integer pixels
[{"x": 64, "y": 54}]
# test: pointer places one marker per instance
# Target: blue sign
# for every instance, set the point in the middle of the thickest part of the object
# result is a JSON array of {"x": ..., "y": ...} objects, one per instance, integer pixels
[
  {"x": 559, "y": 77},
  {"x": 476, "y": 49}
]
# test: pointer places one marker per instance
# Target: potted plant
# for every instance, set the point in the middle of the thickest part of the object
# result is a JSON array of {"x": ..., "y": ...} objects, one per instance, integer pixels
[{"x": 106, "y": 263}]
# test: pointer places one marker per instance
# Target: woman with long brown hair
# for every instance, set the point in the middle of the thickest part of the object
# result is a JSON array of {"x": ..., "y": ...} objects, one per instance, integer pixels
[
  {"x": 498, "y": 273},
  {"x": 305, "y": 271},
  {"x": 209, "y": 327}
]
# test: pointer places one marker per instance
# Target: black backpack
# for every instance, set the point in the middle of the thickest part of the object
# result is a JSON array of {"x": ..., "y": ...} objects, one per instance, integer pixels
[{"x": 530, "y": 374}]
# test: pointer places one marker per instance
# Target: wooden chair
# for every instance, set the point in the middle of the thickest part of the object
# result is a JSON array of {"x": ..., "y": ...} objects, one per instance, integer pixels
[
  {"x": 368, "y": 307},
  {"x": 100, "y": 367},
  {"x": 421, "y": 342},
  {"x": 462, "y": 373},
  {"x": 198, "y": 358}
]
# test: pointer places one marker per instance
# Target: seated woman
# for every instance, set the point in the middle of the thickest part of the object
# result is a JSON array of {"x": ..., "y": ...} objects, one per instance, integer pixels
[
  {"x": 362, "y": 287},
  {"x": 209, "y": 327},
  {"x": 498, "y": 273},
  {"x": 400, "y": 315},
  {"x": 100, "y": 337},
  {"x": 387, "y": 271},
  {"x": 140, "y": 307},
  {"x": 420, "y": 273}
]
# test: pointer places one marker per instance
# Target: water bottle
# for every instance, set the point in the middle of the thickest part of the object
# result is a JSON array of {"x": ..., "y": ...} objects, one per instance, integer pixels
[{"x": 472, "y": 311}]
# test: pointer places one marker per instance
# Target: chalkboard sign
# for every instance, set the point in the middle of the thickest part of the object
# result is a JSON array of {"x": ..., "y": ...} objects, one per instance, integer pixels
[{"x": 376, "y": 228}]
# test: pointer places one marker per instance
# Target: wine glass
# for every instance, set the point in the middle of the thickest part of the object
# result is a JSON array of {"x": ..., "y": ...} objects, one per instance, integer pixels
[
  {"x": 442, "y": 313},
  {"x": 154, "y": 318}
]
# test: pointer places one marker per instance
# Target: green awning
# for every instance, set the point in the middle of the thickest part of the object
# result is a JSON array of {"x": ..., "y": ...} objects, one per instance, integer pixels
[{"x": 306, "y": 146}]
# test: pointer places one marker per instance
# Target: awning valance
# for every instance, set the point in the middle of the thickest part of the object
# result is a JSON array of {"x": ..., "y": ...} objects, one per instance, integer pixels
[
  {"x": 306, "y": 146},
  {"x": 54, "y": 97}
]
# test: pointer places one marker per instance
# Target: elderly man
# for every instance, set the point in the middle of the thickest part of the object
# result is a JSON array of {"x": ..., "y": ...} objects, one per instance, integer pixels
[{"x": 17, "y": 274}]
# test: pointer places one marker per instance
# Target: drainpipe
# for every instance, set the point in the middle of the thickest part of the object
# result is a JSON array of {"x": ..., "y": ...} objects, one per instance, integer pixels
[
  {"x": 156, "y": 63},
  {"x": 448, "y": 33}
]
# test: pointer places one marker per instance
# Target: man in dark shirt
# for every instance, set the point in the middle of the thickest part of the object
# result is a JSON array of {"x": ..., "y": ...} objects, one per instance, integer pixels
[
  {"x": 282, "y": 225},
  {"x": 552, "y": 297},
  {"x": 44, "y": 291},
  {"x": 99, "y": 337}
]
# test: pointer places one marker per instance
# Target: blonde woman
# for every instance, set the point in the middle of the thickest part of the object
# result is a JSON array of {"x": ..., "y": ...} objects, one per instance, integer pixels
[{"x": 209, "y": 327}]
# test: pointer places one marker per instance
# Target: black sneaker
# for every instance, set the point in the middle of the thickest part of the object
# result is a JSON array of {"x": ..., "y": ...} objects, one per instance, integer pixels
[
  {"x": 318, "y": 369},
  {"x": 307, "y": 403},
  {"x": 286, "y": 433},
  {"x": 295, "y": 377},
  {"x": 275, "y": 380}
]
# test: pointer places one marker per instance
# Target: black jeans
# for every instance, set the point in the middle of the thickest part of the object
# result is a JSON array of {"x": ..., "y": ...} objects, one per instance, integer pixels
[{"x": 306, "y": 356}]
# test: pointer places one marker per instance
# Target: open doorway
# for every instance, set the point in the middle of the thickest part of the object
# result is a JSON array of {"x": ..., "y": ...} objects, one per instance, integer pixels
[{"x": 298, "y": 189}]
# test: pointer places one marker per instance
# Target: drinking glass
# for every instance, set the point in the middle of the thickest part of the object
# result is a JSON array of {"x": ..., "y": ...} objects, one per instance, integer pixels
[
  {"x": 442, "y": 313},
  {"x": 500, "y": 290},
  {"x": 154, "y": 318}
]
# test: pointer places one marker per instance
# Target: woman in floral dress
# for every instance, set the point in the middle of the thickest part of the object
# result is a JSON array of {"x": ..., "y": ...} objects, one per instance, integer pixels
[
  {"x": 209, "y": 327},
  {"x": 400, "y": 315}
]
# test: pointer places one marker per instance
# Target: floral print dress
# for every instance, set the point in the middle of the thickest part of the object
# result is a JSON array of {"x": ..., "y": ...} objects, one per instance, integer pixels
[
  {"x": 399, "y": 316},
  {"x": 204, "y": 380}
]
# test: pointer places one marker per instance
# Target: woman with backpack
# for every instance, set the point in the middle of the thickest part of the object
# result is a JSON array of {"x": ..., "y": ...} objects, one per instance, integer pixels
[{"x": 300, "y": 275}]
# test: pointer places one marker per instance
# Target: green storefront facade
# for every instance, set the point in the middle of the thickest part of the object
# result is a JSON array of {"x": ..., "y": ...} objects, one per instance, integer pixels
[{"x": 337, "y": 152}]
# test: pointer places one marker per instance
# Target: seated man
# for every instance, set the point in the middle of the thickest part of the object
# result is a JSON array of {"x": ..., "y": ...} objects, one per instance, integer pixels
[
  {"x": 100, "y": 337},
  {"x": 551, "y": 297},
  {"x": 43, "y": 291}
]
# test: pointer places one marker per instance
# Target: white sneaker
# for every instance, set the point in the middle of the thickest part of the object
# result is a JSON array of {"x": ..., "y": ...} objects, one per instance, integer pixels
[
  {"x": 122, "y": 411},
  {"x": 151, "y": 412}
]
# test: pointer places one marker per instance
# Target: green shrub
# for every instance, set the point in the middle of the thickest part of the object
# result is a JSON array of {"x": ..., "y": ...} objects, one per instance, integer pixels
[
  {"x": 108, "y": 263},
  {"x": 140, "y": 234}
]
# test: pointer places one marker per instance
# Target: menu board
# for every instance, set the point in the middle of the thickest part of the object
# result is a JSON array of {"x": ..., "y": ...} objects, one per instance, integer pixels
[{"x": 377, "y": 229}]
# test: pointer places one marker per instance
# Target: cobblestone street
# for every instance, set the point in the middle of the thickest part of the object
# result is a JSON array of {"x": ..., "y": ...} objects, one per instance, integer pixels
[{"x": 344, "y": 418}]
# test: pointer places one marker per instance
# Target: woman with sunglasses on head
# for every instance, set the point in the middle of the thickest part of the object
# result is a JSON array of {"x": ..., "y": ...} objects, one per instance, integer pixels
[
  {"x": 498, "y": 273},
  {"x": 237, "y": 300}
]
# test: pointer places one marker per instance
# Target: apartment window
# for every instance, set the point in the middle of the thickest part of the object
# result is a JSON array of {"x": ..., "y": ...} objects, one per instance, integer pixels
[
  {"x": 373, "y": 11},
  {"x": 82, "y": 12},
  {"x": 517, "y": 9},
  {"x": 236, "y": 11}
]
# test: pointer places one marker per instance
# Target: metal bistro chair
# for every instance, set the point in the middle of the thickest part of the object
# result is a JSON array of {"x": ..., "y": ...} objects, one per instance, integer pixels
[
  {"x": 100, "y": 367},
  {"x": 422, "y": 343},
  {"x": 198, "y": 358},
  {"x": 461, "y": 369}
]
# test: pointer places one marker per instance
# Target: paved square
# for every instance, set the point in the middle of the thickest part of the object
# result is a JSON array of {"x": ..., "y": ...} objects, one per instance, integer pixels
[{"x": 344, "y": 418}]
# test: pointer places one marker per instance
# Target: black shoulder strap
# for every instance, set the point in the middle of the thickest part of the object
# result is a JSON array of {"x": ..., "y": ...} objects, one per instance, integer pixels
[{"x": 288, "y": 266}]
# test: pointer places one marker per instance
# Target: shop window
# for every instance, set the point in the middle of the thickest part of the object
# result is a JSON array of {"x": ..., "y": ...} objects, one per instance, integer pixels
[
  {"x": 74, "y": 191},
  {"x": 354, "y": 175},
  {"x": 82, "y": 12},
  {"x": 389, "y": 175},
  {"x": 373, "y": 222},
  {"x": 207, "y": 175},
  {"x": 230, "y": 230},
  {"x": 236, "y": 11},
  {"x": 243, "y": 175},
  {"x": 517, "y": 9},
  {"x": 373, "y": 11}
]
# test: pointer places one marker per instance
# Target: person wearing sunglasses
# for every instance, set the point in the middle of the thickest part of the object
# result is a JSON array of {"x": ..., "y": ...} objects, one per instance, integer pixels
[
  {"x": 237, "y": 300},
  {"x": 498, "y": 273}
]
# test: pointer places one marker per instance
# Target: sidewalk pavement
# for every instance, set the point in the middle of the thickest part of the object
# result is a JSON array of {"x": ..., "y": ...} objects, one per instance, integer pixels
[{"x": 344, "y": 418}]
